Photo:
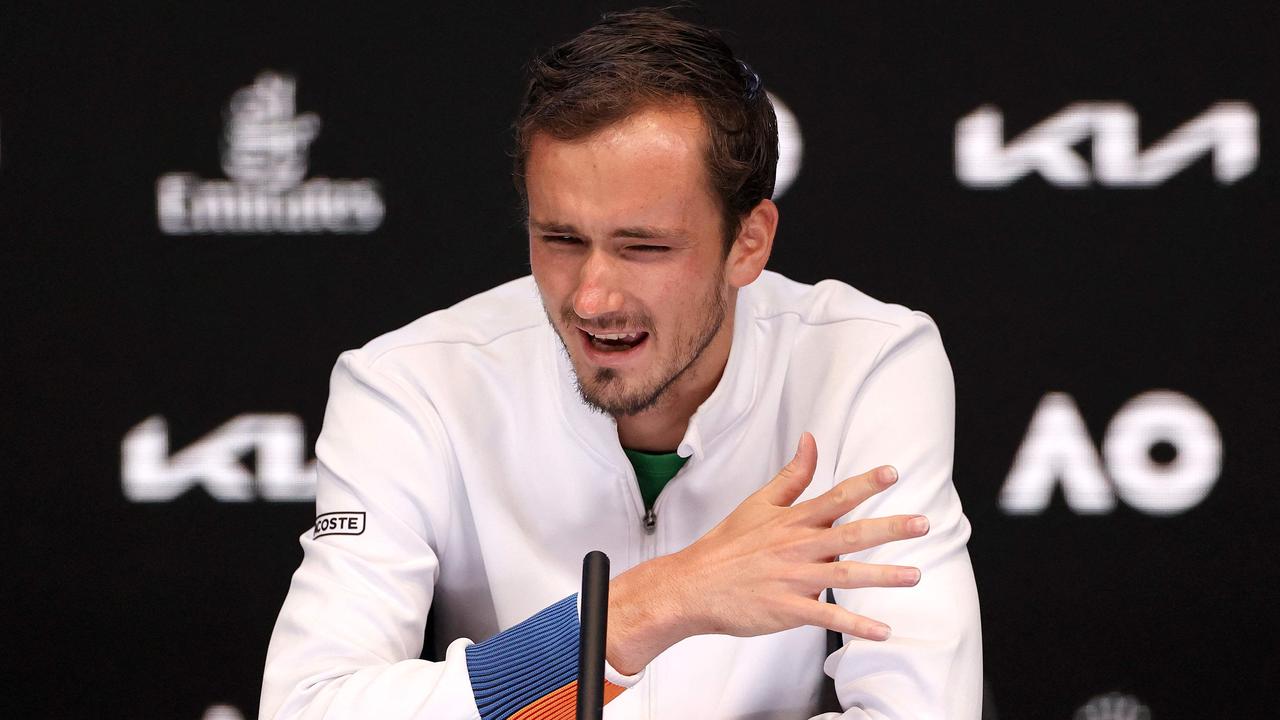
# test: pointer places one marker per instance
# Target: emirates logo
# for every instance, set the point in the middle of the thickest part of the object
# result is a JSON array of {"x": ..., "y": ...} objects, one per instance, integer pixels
[{"x": 264, "y": 153}]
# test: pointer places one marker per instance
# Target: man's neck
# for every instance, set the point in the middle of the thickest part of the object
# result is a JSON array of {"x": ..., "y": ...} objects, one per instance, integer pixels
[{"x": 662, "y": 427}]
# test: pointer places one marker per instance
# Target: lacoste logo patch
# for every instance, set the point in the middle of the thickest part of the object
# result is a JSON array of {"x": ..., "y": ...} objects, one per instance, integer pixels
[{"x": 339, "y": 523}]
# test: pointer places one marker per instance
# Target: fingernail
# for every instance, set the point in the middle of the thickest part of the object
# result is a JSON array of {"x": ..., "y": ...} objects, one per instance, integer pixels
[
  {"x": 879, "y": 631},
  {"x": 918, "y": 525},
  {"x": 887, "y": 475},
  {"x": 910, "y": 576},
  {"x": 800, "y": 444}
]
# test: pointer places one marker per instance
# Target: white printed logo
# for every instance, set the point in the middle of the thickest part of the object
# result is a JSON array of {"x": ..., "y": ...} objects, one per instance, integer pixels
[
  {"x": 1057, "y": 449},
  {"x": 1227, "y": 130},
  {"x": 1114, "y": 706},
  {"x": 148, "y": 473},
  {"x": 264, "y": 153},
  {"x": 222, "y": 712},
  {"x": 790, "y": 147}
]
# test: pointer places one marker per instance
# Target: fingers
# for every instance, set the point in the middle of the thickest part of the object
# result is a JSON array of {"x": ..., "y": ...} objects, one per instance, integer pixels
[
  {"x": 847, "y": 495},
  {"x": 792, "y": 479},
  {"x": 834, "y": 617},
  {"x": 863, "y": 534},
  {"x": 849, "y": 575}
]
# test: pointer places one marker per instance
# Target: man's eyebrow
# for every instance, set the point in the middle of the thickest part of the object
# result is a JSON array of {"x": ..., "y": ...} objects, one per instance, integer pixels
[
  {"x": 553, "y": 228},
  {"x": 648, "y": 232},
  {"x": 638, "y": 232}
]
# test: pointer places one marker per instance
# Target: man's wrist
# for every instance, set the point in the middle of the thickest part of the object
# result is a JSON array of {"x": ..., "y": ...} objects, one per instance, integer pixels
[{"x": 647, "y": 614}]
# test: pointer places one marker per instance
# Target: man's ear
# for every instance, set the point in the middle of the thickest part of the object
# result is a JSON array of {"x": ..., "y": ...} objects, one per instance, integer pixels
[{"x": 753, "y": 244}]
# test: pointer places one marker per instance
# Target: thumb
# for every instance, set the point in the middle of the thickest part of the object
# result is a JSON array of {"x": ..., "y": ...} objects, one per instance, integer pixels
[{"x": 792, "y": 479}]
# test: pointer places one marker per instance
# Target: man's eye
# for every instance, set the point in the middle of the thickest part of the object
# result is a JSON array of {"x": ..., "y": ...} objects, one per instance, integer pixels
[
  {"x": 649, "y": 248},
  {"x": 561, "y": 239}
]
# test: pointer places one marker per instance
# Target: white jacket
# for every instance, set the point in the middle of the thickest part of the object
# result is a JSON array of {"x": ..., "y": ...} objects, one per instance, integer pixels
[{"x": 484, "y": 479}]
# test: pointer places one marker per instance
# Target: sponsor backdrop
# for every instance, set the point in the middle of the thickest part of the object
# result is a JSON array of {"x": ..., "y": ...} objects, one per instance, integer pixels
[{"x": 202, "y": 205}]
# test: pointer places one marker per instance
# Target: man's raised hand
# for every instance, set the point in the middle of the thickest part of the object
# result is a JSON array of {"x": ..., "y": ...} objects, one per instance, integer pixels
[{"x": 763, "y": 569}]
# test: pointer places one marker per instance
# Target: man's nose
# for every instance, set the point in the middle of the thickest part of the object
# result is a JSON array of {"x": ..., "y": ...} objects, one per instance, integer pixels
[{"x": 598, "y": 292}]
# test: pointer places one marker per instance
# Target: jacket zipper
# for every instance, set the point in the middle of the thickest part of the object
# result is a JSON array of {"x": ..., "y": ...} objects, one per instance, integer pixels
[
  {"x": 649, "y": 526},
  {"x": 650, "y": 523}
]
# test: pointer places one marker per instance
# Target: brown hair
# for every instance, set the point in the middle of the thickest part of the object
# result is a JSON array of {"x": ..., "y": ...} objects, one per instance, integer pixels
[{"x": 640, "y": 57}]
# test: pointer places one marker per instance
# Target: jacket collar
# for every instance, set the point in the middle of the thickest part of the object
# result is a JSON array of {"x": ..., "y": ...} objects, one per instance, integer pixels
[{"x": 733, "y": 396}]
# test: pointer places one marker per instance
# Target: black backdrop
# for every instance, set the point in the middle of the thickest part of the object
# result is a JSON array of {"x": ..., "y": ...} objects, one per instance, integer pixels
[{"x": 124, "y": 604}]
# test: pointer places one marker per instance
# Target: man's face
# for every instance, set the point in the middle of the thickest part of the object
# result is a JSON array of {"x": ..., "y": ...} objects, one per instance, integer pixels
[{"x": 626, "y": 246}]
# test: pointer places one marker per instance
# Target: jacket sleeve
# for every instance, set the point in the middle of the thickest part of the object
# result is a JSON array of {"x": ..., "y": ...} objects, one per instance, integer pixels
[
  {"x": 349, "y": 635},
  {"x": 931, "y": 666}
]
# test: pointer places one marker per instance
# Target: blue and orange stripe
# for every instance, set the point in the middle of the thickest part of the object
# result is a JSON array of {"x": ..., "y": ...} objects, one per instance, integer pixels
[{"x": 529, "y": 671}]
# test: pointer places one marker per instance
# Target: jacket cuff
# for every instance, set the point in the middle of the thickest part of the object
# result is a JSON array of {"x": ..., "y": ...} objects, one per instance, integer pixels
[{"x": 531, "y": 665}]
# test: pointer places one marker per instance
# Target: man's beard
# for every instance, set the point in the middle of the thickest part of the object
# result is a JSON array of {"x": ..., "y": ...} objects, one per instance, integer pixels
[{"x": 596, "y": 392}]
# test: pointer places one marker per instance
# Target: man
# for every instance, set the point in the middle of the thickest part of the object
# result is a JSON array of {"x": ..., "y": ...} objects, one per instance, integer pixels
[{"x": 634, "y": 396}]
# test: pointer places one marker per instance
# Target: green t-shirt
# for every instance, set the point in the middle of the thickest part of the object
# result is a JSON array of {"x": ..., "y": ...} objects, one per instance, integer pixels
[{"x": 653, "y": 470}]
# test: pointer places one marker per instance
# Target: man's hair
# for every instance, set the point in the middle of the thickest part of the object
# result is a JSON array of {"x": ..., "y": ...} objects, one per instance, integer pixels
[{"x": 639, "y": 58}]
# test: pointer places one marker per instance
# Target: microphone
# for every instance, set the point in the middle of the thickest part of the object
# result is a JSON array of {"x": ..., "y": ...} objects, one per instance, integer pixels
[{"x": 591, "y": 635}]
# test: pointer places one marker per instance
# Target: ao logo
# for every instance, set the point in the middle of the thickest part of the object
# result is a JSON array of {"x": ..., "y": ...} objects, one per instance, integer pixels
[
  {"x": 1228, "y": 130},
  {"x": 148, "y": 473},
  {"x": 790, "y": 147},
  {"x": 1057, "y": 449}
]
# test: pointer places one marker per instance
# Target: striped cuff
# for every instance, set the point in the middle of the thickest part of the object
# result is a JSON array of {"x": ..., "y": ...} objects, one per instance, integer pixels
[{"x": 530, "y": 671}]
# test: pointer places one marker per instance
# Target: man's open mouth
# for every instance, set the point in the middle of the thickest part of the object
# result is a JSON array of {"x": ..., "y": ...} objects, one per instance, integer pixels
[{"x": 614, "y": 342}]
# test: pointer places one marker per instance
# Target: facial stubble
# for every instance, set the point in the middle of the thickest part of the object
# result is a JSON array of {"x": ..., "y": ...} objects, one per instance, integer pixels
[{"x": 595, "y": 392}]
